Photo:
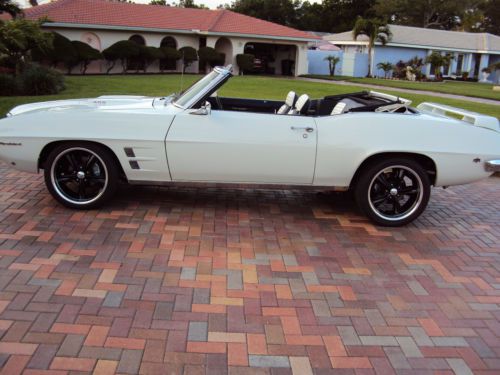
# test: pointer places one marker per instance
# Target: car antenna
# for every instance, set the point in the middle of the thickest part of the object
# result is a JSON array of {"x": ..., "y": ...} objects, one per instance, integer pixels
[{"x": 182, "y": 73}]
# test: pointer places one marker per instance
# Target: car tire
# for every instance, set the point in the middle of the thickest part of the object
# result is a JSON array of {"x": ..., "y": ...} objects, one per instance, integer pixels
[
  {"x": 81, "y": 175},
  {"x": 392, "y": 192}
]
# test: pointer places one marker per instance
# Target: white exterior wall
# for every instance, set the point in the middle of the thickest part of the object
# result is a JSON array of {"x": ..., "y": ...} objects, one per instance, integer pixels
[{"x": 109, "y": 37}]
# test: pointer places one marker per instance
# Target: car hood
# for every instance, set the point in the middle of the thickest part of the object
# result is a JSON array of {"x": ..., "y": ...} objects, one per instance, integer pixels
[{"x": 111, "y": 102}]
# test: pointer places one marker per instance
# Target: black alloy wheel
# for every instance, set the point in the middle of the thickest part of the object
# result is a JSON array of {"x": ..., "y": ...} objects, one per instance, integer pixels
[{"x": 81, "y": 175}]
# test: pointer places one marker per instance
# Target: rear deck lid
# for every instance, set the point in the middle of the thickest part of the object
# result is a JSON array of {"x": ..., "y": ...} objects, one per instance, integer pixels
[{"x": 474, "y": 118}]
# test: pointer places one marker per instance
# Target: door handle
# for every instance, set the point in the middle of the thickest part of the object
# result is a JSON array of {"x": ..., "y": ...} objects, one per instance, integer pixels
[{"x": 307, "y": 129}]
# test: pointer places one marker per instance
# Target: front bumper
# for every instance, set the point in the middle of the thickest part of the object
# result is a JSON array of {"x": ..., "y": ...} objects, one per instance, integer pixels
[{"x": 492, "y": 166}]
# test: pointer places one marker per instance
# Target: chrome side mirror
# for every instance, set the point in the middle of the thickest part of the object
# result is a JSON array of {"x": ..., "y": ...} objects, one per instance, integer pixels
[{"x": 204, "y": 110}]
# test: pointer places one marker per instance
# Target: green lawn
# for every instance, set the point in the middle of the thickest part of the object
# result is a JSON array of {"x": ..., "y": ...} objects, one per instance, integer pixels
[
  {"x": 474, "y": 89},
  {"x": 248, "y": 86}
]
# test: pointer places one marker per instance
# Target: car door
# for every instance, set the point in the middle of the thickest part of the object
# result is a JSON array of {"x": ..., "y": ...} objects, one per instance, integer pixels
[{"x": 231, "y": 146}]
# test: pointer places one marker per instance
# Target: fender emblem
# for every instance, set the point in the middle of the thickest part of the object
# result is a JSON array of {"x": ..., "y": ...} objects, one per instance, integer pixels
[{"x": 10, "y": 144}]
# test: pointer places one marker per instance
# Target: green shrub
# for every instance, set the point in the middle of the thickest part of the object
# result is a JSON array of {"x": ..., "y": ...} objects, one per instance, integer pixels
[
  {"x": 39, "y": 80},
  {"x": 245, "y": 62},
  {"x": 62, "y": 51},
  {"x": 170, "y": 53},
  {"x": 85, "y": 54},
  {"x": 210, "y": 56},
  {"x": 188, "y": 56},
  {"x": 121, "y": 51},
  {"x": 169, "y": 58},
  {"x": 149, "y": 55},
  {"x": 8, "y": 85}
]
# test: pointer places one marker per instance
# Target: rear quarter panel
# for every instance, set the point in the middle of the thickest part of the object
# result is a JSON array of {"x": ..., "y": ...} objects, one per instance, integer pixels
[{"x": 345, "y": 141}]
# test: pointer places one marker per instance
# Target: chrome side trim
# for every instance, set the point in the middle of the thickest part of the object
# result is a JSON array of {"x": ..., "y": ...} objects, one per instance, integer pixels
[
  {"x": 235, "y": 185},
  {"x": 492, "y": 166}
]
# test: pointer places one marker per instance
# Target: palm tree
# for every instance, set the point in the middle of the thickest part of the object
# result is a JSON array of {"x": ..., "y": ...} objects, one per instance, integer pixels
[
  {"x": 8, "y": 6},
  {"x": 437, "y": 61},
  {"x": 332, "y": 63},
  {"x": 376, "y": 31},
  {"x": 386, "y": 67}
]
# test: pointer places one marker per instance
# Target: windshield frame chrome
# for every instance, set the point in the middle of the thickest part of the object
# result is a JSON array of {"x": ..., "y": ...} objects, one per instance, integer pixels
[{"x": 223, "y": 72}]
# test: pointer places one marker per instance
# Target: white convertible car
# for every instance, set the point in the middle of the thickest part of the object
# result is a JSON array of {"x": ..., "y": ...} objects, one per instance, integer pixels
[{"x": 387, "y": 152}]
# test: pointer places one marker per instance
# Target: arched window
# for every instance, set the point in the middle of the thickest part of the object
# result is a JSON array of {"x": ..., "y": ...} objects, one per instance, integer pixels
[
  {"x": 136, "y": 63},
  {"x": 92, "y": 40},
  {"x": 224, "y": 46},
  {"x": 168, "y": 64},
  {"x": 137, "y": 39},
  {"x": 168, "y": 41}
]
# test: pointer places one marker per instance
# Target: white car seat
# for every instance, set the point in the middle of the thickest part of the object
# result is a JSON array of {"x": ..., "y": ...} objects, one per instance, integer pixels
[
  {"x": 344, "y": 106},
  {"x": 290, "y": 101},
  {"x": 301, "y": 106}
]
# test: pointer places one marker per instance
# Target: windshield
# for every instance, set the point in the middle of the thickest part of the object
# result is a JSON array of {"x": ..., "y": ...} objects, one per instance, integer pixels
[{"x": 195, "y": 89}]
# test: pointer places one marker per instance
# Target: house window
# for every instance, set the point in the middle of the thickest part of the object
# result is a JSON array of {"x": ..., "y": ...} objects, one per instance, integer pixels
[
  {"x": 203, "y": 42},
  {"x": 433, "y": 67},
  {"x": 446, "y": 67},
  {"x": 460, "y": 63}
]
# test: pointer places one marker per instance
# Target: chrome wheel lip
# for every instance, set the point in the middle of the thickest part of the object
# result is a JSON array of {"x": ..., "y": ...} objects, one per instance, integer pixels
[
  {"x": 55, "y": 183},
  {"x": 415, "y": 205}
]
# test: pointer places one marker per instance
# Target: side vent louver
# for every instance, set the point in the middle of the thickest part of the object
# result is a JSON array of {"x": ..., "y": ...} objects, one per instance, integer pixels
[{"x": 129, "y": 152}]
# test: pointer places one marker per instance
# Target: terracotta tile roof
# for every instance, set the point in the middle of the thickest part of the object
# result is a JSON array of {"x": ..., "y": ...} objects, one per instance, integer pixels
[
  {"x": 108, "y": 13},
  {"x": 5, "y": 16}
]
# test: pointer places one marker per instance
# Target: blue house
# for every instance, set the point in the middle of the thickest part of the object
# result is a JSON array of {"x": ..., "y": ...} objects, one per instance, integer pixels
[{"x": 471, "y": 51}]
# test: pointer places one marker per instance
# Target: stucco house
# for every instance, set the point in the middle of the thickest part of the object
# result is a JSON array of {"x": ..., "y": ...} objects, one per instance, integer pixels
[
  {"x": 471, "y": 51},
  {"x": 101, "y": 23}
]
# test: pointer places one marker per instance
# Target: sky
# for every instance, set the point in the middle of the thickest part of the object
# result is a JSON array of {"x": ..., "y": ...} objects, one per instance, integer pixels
[{"x": 209, "y": 3}]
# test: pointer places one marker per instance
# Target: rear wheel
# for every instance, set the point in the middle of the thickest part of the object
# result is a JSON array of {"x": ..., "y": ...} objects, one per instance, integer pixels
[
  {"x": 81, "y": 175},
  {"x": 393, "y": 192}
]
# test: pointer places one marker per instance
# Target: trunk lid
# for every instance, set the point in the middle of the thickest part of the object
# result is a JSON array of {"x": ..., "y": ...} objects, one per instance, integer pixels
[{"x": 473, "y": 118}]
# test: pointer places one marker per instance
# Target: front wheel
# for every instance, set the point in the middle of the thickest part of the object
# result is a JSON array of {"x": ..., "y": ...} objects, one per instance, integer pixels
[
  {"x": 81, "y": 175},
  {"x": 393, "y": 192}
]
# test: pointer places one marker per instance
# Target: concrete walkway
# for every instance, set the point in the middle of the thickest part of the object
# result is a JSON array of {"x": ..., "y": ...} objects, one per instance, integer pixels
[{"x": 410, "y": 91}]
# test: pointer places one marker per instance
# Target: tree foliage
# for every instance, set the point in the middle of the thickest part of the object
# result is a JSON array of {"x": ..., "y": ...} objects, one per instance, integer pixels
[
  {"x": 188, "y": 56},
  {"x": 180, "y": 4},
  {"x": 169, "y": 53},
  {"x": 245, "y": 62},
  {"x": 490, "y": 22},
  {"x": 386, "y": 67},
  {"x": 62, "y": 52},
  {"x": 422, "y": 13},
  {"x": 10, "y": 7},
  {"x": 283, "y": 12},
  {"x": 437, "y": 61},
  {"x": 85, "y": 54},
  {"x": 332, "y": 63},
  {"x": 149, "y": 55},
  {"x": 189, "y": 4},
  {"x": 210, "y": 56},
  {"x": 340, "y": 15},
  {"x": 120, "y": 52},
  {"x": 376, "y": 31},
  {"x": 18, "y": 39}
]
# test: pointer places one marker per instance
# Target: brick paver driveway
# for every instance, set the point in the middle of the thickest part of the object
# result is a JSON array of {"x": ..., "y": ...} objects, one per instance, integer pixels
[{"x": 194, "y": 281}]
